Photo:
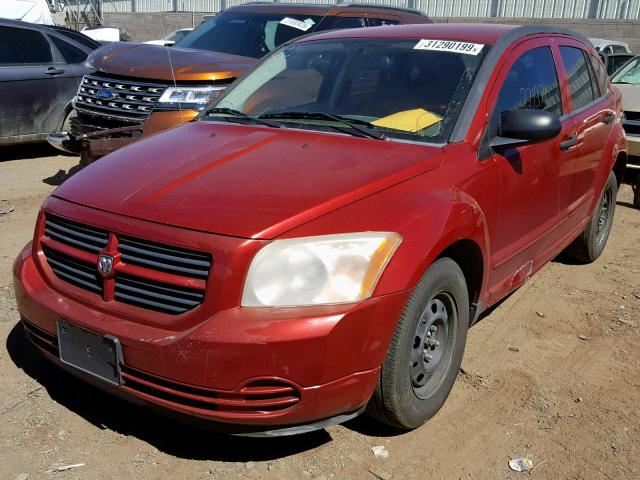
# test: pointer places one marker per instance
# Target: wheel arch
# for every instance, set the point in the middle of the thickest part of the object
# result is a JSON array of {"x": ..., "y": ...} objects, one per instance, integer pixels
[
  {"x": 620, "y": 166},
  {"x": 468, "y": 255}
]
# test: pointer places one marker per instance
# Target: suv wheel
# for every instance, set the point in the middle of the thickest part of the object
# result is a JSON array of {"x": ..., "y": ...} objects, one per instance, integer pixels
[
  {"x": 591, "y": 242},
  {"x": 426, "y": 349}
]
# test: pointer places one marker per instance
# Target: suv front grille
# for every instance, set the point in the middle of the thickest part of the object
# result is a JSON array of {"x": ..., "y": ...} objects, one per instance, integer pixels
[
  {"x": 149, "y": 275},
  {"x": 127, "y": 99}
]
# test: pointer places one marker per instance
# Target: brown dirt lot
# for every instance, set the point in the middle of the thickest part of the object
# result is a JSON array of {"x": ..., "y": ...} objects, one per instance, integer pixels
[{"x": 553, "y": 373}]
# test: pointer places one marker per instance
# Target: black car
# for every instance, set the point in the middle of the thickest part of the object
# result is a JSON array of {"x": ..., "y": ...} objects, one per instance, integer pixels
[{"x": 41, "y": 67}]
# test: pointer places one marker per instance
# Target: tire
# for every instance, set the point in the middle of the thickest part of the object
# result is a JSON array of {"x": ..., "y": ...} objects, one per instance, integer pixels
[
  {"x": 402, "y": 398},
  {"x": 636, "y": 193},
  {"x": 591, "y": 242},
  {"x": 66, "y": 124}
]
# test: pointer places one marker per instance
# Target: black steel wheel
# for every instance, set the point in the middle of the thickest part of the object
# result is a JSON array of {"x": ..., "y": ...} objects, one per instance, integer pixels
[
  {"x": 426, "y": 349},
  {"x": 591, "y": 242}
]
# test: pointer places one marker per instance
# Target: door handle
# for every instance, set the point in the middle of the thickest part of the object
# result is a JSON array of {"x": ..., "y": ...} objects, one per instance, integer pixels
[
  {"x": 609, "y": 118},
  {"x": 568, "y": 143},
  {"x": 54, "y": 71}
]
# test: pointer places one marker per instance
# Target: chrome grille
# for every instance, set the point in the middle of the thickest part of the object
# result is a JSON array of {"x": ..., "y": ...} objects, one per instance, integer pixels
[
  {"x": 72, "y": 270},
  {"x": 132, "y": 99},
  {"x": 167, "y": 259},
  {"x": 157, "y": 296},
  {"x": 75, "y": 235}
]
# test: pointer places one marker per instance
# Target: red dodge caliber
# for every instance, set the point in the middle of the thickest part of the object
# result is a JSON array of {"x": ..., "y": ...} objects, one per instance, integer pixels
[{"x": 319, "y": 240}]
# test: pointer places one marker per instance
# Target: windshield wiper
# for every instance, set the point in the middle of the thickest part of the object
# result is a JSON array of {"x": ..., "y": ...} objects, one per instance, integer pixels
[
  {"x": 350, "y": 122},
  {"x": 238, "y": 114}
]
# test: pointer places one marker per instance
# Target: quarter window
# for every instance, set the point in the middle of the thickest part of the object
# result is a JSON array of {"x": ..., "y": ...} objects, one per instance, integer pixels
[
  {"x": 580, "y": 86},
  {"x": 70, "y": 53},
  {"x": 21, "y": 46},
  {"x": 531, "y": 84},
  {"x": 601, "y": 75}
]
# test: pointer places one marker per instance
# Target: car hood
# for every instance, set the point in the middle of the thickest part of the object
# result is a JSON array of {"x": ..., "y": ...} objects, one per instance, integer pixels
[
  {"x": 158, "y": 62},
  {"x": 251, "y": 182},
  {"x": 630, "y": 96}
]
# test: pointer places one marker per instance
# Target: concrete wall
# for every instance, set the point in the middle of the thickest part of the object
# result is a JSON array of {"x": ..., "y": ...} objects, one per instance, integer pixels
[{"x": 151, "y": 26}]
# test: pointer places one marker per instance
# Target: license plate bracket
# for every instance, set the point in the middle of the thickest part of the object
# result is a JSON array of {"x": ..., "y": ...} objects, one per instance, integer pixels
[{"x": 95, "y": 354}]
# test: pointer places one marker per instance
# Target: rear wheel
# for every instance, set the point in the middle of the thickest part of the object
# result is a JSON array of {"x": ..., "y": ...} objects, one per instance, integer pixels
[
  {"x": 591, "y": 242},
  {"x": 636, "y": 193},
  {"x": 426, "y": 350}
]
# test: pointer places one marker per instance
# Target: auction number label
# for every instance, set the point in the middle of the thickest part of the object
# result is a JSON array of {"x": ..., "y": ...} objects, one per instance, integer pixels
[
  {"x": 449, "y": 46},
  {"x": 292, "y": 22}
]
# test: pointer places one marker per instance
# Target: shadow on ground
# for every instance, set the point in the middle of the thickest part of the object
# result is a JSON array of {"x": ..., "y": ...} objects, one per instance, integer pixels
[
  {"x": 27, "y": 151},
  {"x": 168, "y": 435},
  {"x": 61, "y": 175}
]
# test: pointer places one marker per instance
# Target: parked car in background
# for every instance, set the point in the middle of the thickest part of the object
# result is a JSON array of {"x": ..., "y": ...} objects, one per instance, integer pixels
[
  {"x": 172, "y": 38},
  {"x": 40, "y": 70},
  {"x": 627, "y": 80},
  {"x": 142, "y": 89},
  {"x": 105, "y": 34},
  {"x": 614, "y": 61},
  {"x": 609, "y": 46},
  {"x": 320, "y": 239},
  {"x": 33, "y": 11}
]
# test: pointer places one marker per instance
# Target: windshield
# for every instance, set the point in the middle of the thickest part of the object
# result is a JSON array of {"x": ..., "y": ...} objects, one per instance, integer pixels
[
  {"x": 630, "y": 73},
  {"x": 396, "y": 88},
  {"x": 248, "y": 34}
]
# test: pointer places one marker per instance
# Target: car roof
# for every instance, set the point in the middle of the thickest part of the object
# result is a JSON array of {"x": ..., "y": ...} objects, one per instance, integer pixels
[
  {"x": 319, "y": 8},
  {"x": 488, "y": 34}
]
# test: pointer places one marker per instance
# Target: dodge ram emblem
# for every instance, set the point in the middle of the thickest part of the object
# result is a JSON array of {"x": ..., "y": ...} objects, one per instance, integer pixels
[{"x": 105, "y": 264}]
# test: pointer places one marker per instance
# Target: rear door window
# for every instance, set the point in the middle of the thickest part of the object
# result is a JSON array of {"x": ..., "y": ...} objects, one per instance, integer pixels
[
  {"x": 532, "y": 84},
  {"x": 20, "y": 46},
  {"x": 580, "y": 85}
]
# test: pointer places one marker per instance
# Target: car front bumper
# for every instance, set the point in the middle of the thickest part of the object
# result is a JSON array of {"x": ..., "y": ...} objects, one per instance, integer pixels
[
  {"x": 90, "y": 134},
  {"x": 260, "y": 370}
]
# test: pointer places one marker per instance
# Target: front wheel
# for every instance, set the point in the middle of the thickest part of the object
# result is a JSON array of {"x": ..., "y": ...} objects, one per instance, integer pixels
[
  {"x": 426, "y": 349},
  {"x": 591, "y": 242},
  {"x": 636, "y": 193}
]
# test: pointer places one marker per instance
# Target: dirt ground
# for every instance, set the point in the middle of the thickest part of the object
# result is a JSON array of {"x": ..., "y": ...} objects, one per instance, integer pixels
[{"x": 552, "y": 373}]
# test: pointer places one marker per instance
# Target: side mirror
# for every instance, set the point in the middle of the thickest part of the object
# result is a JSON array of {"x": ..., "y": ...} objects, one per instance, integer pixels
[{"x": 520, "y": 127}]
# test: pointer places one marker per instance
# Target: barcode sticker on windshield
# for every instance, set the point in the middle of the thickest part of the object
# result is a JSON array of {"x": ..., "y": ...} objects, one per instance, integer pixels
[
  {"x": 292, "y": 22},
  {"x": 449, "y": 46}
]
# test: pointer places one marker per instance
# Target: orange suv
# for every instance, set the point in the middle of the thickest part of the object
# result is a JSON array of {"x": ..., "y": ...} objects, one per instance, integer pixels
[{"x": 139, "y": 89}]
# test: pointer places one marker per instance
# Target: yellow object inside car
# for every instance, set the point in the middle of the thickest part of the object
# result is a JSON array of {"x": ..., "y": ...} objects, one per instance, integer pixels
[{"x": 409, "y": 120}]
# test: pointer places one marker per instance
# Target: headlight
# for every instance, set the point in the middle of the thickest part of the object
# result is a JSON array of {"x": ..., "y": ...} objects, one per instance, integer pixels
[
  {"x": 318, "y": 270},
  {"x": 199, "y": 96}
]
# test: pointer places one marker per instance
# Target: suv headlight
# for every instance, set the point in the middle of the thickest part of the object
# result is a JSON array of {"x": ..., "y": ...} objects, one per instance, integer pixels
[
  {"x": 318, "y": 270},
  {"x": 190, "y": 96}
]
